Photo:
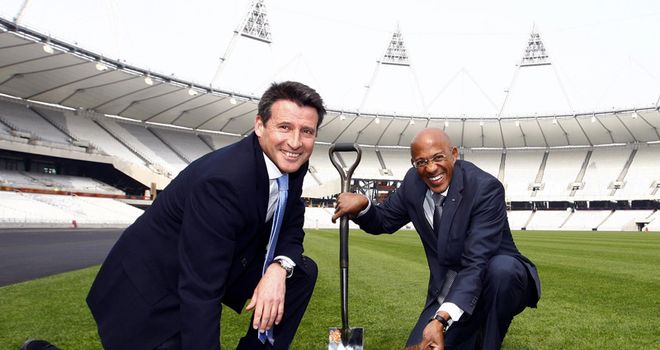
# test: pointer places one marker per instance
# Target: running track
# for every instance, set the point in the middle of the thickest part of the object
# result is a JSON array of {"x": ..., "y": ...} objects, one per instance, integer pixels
[{"x": 27, "y": 254}]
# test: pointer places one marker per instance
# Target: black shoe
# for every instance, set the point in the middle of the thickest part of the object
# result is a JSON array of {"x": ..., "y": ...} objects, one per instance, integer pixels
[{"x": 34, "y": 344}]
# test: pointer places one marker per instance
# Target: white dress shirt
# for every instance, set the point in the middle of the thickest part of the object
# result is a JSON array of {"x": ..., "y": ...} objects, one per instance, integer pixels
[{"x": 273, "y": 174}]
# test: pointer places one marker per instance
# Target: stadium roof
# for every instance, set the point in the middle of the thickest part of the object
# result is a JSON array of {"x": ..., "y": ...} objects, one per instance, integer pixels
[{"x": 35, "y": 67}]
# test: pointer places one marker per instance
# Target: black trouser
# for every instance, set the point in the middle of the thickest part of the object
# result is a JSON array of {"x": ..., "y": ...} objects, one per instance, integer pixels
[
  {"x": 506, "y": 292},
  {"x": 299, "y": 290}
]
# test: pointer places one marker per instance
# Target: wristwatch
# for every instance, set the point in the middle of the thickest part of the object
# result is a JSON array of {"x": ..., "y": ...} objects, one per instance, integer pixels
[
  {"x": 445, "y": 323},
  {"x": 286, "y": 266}
]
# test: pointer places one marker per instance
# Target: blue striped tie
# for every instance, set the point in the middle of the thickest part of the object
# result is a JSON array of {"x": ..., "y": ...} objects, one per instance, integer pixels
[{"x": 283, "y": 187}]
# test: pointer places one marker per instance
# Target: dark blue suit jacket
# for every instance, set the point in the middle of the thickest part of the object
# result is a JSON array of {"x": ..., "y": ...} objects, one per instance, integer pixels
[
  {"x": 200, "y": 244},
  {"x": 474, "y": 227}
]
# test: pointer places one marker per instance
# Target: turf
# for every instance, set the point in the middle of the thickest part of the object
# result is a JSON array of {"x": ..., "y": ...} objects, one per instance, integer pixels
[{"x": 600, "y": 291}]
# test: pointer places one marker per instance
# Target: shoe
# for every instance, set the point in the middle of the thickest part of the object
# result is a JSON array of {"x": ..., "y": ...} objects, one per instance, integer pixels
[{"x": 35, "y": 344}]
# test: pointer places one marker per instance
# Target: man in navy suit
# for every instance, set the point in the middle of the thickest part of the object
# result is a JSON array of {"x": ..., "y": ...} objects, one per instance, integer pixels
[
  {"x": 203, "y": 241},
  {"x": 478, "y": 279}
]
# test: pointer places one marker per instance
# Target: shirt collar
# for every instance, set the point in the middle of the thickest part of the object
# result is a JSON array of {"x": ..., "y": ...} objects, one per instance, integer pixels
[
  {"x": 271, "y": 168},
  {"x": 429, "y": 193}
]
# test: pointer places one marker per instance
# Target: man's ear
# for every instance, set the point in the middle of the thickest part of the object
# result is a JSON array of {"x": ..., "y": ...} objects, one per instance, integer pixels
[{"x": 259, "y": 126}]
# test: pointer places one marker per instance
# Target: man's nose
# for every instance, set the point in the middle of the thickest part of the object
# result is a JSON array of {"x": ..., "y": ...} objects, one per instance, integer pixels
[{"x": 294, "y": 140}]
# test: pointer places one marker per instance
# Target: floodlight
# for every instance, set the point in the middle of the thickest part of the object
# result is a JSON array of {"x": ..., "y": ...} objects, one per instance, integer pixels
[
  {"x": 148, "y": 80},
  {"x": 101, "y": 67},
  {"x": 48, "y": 49}
]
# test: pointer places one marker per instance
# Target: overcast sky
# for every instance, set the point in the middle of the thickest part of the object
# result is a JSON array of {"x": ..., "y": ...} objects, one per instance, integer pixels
[{"x": 604, "y": 54}]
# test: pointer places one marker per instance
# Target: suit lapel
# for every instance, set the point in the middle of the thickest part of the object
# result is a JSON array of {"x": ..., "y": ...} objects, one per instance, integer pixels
[
  {"x": 418, "y": 196},
  {"x": 453, "y": 200},
  {"x": 263, "y": 185}
]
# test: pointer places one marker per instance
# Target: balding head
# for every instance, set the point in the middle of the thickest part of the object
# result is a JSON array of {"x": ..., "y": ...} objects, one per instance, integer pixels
[
  {"x": 433, "y": 155},
  {"x": 430, "y": 135}
]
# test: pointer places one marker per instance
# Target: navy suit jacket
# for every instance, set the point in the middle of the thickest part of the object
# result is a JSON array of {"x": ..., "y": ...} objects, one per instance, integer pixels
[
  {"x": 474, "y": 228},
  {"x": 200, "y": 244}
]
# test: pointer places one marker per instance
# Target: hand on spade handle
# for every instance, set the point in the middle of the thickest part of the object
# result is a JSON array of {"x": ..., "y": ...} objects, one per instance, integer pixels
[{"x": 350, "y": 204}]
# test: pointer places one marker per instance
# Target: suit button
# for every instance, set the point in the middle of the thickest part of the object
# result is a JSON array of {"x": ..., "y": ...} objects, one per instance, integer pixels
[{"x": 244, "y": 262}]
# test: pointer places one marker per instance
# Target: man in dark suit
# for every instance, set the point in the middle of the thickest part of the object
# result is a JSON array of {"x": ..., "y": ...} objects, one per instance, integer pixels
[
  {"x": 203, "y": 242},
  {"x": 478, "y": 279}
]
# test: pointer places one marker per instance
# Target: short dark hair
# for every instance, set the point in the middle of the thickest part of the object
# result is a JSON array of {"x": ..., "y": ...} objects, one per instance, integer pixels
[{"x": 293, "y": 91}]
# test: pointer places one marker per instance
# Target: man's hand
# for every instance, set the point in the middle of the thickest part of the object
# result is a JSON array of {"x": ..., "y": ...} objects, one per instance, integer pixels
[
  {"x": 268, "y": 298},
  {"x": 349, "y": 204},
  {"x": 433, "y": 337}
]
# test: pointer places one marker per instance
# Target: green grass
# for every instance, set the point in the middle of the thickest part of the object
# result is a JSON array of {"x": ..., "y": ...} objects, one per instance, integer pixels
[{"x": 600, "y": 291}]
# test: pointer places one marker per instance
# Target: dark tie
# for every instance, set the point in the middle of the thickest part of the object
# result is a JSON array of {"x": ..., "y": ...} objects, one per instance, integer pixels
[
  {"x": 283, "y": 187},
  {"x": 438, "y": 199}
]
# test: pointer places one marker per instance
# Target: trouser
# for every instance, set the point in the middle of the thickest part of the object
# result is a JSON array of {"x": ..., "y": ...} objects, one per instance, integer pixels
[
  {"x": 299, "y": 289},
  {"x": 507, "y": 289}
]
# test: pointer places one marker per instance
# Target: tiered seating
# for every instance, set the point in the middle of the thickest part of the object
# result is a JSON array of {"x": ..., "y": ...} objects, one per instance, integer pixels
[
  {"x": 518, "y": 218},
  {"x": 397, "y": 160},
  {"x": 86, "y": 129},
  {"x": 624, "y": 220},
  {"x": 604, "y": 167},
  {"x": 150, "y": 144},
  {"x": 56, "y": 117},
  {"x": 548, "y": 220},
  {"x": 93, "y": 211},
  {"x": 39, "y": 210},
  {"x": 369, "y": 165},
  {"x": 487, "y": 161},
  {"x": 321, "y": 218},
  {"x": 26, "y": 120},
  {"x": 520, "y": 171},
  {"x": 20, "y": 209},
  {"x": 19, "y": 179},
  {"x": 585, "y": 219},
  {"x": 189, "y": 145},
  {"x": 325, "y": 172},
  {"x": 561, "y": 169},
  {"x": 220, "y": 141},
  {"x": 654, "y": 224},
  {"x": 643, "y": 172}
]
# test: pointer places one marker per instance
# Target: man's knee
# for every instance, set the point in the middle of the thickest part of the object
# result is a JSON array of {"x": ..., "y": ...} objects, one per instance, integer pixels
[
  {"x": 505, "y": 270},
  {"x": 309, "y": 269}
]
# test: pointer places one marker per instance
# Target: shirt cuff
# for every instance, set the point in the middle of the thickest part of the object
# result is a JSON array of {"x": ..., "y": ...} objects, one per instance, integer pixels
[
  {"x": 288, "y": 261},
  {"x": 365, "y": 210},
  {"x": 453, "y": 310},
  {"x": 285, "y": 258}
]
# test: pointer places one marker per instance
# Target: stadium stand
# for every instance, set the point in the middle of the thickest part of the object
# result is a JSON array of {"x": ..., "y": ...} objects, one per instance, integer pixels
[
  {"x": 559, "y": 173},
  {"x": 520, "y": 172},
  {"x": 489, "y": 161},
  {"x": 187, "y": 145},
  {"x": 88, "y": 130},
  {"x": 41, "y": 210},
  {"x": 23, "y": 119},
  {"x": 642, "y": 178},
  {"x": 604, "y": 167},
  {"x": 518, "y": 218}
]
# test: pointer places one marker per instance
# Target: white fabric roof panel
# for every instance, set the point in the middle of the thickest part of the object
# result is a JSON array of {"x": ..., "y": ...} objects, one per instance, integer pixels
[{"x": 69, "y": 78}]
